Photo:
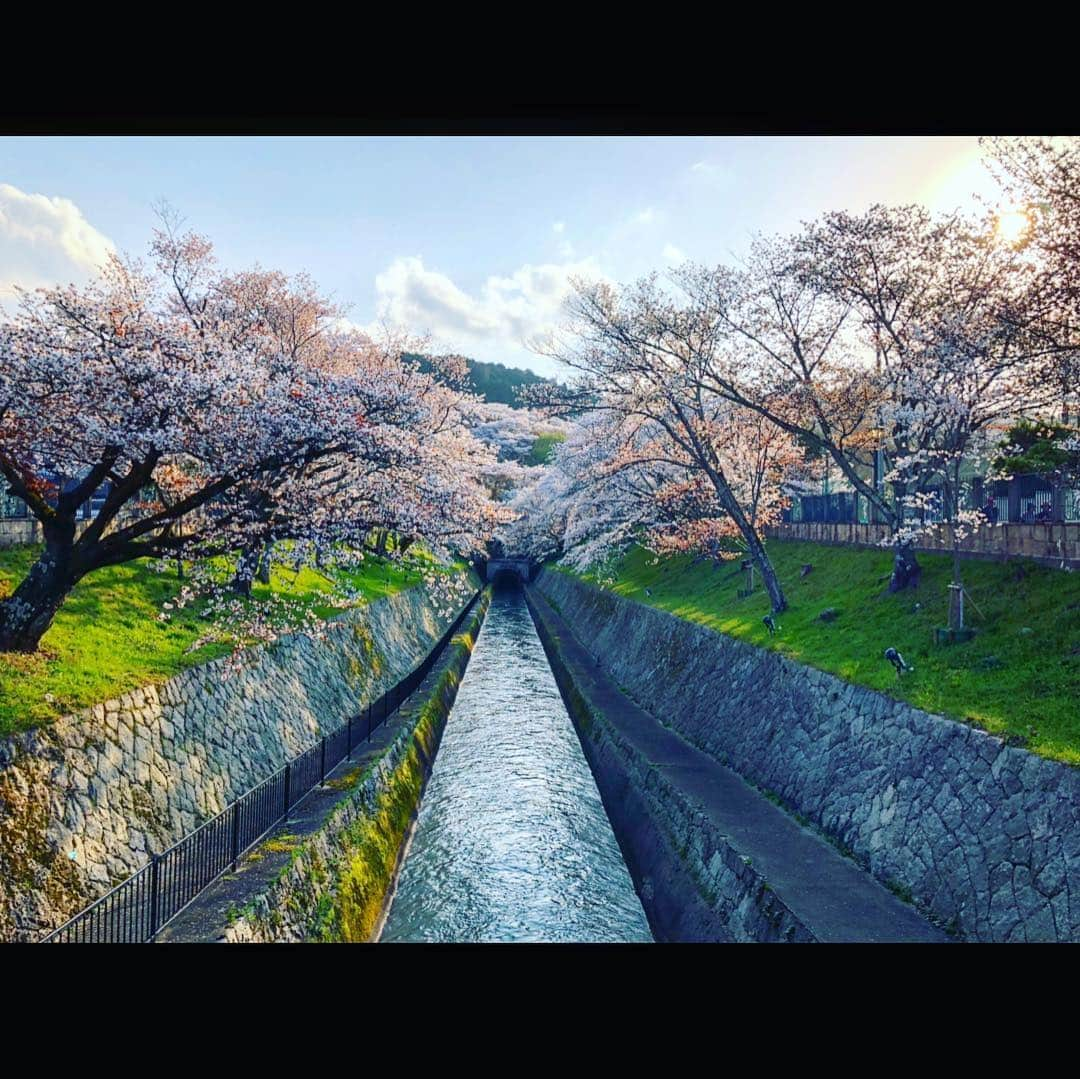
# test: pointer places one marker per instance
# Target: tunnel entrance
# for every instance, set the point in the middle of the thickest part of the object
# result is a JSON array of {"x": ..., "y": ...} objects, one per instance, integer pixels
[
  {"x": 506, "y": 580},
  {"x": 519, "y": 568}
]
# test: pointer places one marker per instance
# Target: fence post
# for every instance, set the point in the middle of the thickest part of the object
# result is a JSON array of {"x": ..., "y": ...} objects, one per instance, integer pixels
[
  {"x": 369, "y": 720},
  {"x": 288, "y": 779},
  {"x": 155, "y": 907},
  {"x": 322, "y": 761},
  {"x": 235, "y": 834},
  {"x": 349, "y": 754},
  {"x": 1014, "y": 500}
]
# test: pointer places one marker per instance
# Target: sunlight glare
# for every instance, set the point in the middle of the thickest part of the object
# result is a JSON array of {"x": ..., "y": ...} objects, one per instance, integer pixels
[{"x": 1013, "y": 226}]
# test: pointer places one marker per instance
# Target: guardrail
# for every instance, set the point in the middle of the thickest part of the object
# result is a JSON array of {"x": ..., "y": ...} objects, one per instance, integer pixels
[{"x": 137, "y": 910}]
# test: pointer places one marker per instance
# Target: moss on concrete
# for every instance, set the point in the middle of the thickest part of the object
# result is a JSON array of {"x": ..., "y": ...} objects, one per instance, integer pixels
[
  {"x": 375, "y": 840},
  {"x": 366, "y": 671}
]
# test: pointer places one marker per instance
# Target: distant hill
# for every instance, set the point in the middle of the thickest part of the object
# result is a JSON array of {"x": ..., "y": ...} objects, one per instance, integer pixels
[{"x": 495, "y": 381}]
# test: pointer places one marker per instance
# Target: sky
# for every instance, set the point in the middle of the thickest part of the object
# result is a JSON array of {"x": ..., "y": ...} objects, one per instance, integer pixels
[{"x": 472, "y": 240}]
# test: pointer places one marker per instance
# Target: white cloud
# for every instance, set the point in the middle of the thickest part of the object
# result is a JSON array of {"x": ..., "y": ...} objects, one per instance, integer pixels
[
  {"x": 45, "y": 241},
  {"x": 645, "y": 217},
  {"x": 559, "y": 226},
  {"x": 501, "y": 317},
  {"x": 673, "y": 253}
]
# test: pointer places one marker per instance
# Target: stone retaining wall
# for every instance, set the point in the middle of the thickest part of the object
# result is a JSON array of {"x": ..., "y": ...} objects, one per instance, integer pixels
[
  {"x": 133, "y": 775},
  {"x": 16, "y": 531},
  {"x": 984, "y": 837}
]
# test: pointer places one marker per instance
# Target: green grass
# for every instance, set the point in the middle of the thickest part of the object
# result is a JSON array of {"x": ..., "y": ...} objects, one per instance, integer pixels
[
  {"x": 542, "y": 447},
  {"x": 1005, "y": 680},
  {"x": 106, "y": 638}
]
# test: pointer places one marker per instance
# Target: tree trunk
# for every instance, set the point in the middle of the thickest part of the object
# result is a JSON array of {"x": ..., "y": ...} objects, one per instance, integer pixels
[
  {"x": 263, "y": 574},
  {"x": 246, "y": 568},
  {"x": 768, "y": 574},
  {"x": 755, "y": 548},
  {"x": 906, "y": 569},
  {"x": 29, "y": 611}
]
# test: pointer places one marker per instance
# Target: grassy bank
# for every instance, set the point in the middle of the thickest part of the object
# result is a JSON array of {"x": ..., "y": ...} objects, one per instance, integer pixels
[
  {"x": 1019, "y": 676},
  {"x": 107, "y": 638},
  {"x": 542, "y": 447}
]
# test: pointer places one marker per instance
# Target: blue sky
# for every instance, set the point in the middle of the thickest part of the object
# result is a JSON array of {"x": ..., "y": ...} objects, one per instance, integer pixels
[{"x": 469, "y": 239}]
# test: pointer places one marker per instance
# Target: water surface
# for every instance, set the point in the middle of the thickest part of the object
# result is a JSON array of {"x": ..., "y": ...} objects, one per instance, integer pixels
[{"x": 512, "y": 842}]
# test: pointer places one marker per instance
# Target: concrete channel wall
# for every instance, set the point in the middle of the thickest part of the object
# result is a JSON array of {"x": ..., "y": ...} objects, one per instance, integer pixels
[
  {"x": 693, "y": 885},
  {"x": 984, "y": 838},
  {"x": 85, "y": 800}
]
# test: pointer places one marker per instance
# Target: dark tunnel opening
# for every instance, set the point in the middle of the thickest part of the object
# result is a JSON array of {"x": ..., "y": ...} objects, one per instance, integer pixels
[{"x": 506, "y": 580}]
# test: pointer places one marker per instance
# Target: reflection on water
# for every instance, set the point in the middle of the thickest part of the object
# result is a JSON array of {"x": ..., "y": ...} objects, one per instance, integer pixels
[{"x": 512, "y": 841}]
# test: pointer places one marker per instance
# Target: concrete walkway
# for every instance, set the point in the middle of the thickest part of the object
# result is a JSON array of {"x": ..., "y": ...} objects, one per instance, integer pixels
[{"x": 833, "y": 897}]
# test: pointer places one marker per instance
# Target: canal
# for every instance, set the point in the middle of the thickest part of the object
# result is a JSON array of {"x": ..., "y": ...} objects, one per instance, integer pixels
[{"x": 512, "y": 842}]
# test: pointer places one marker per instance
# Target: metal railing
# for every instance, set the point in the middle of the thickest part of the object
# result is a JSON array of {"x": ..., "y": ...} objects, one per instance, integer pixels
[{"x": 139, "y": 908}]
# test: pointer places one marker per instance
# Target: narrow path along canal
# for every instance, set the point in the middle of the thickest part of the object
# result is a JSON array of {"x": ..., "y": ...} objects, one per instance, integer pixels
[{"x": 512, "y": 842}]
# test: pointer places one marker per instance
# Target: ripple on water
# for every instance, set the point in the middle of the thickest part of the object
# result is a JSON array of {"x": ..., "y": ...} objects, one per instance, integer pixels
[{"x": 512, "y": 842}]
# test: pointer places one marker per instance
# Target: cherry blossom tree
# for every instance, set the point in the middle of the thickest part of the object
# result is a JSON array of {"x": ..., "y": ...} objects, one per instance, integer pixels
[
  {"x": 640, "y": 356},
  {"x": 511, "y": 432},
  {"x": 290, "y": 309},
  {"x": 934, "y": 333},
  {"x": 540, "y": 507},
  {"x": 605, "y": 488},
  {"x": 783, "y": 335},
  {"x": 764, "y": 339},
  {"x": 767, "y": 340},
  {"x": 616, "y": 482},
  {"x": 1040, "y": 215},
  {"x": 211, "y": 428},
  {"x": 970, "y": 363},
  {"x": 889, "y": 332}
]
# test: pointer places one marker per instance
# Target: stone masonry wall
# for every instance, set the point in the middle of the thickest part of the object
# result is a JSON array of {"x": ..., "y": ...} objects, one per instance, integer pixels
[
  {"x": 133, "y": 775},
  {"x": 985, "y": 837}
]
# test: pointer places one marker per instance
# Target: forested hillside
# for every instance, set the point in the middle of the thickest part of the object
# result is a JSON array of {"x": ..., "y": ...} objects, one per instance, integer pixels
[{"x": 495, "y": 381}]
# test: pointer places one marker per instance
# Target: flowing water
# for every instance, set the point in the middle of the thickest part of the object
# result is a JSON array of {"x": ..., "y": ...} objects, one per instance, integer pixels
[{"x": 512, "y": 842}]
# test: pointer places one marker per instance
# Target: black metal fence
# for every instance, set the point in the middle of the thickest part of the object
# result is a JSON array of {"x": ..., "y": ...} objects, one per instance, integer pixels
[{"x": 137, "y": 910}]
